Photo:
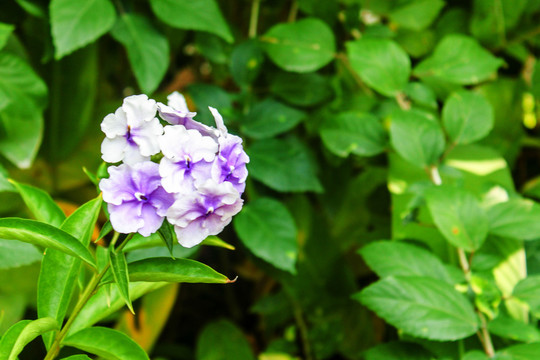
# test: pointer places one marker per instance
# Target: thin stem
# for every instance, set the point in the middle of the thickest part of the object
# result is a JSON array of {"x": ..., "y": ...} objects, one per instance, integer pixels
[
  {"x": 87, "y": 294},
  {"x": 464, "y": 263},
  {"x": 294, "y": 11},
  {"x": 433, "y": 172},
  {"x": 485, "y": 338},
  {"x": 254, "y": 18},
  {"x": 402, "y": 101}
]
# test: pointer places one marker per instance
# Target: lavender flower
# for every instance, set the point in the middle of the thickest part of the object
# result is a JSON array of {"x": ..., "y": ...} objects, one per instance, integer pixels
[
  {"x": 177, "y": 113},
  {"x": 206, "y": 212},
  {"x": 136, "y": 200},
  {"x": 188, "y": 158},
  {"x": 132, "y": 131}
]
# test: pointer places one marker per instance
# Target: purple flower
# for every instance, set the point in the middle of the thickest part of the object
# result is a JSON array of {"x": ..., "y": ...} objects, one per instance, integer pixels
[
  {"x": 188, "y": 158},
  {"x": 136, "y": 200},
  {"x": 230, "y": 164},
  {"x": 132, "y": 131},
  {"x": 206, "y": 212}
]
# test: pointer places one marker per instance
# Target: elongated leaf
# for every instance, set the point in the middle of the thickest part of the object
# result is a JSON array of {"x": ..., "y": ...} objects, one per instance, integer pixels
[
  {"x": 5, "y": 31},
  {"x": 303, "y": 46},
  {"x": 14, "y": 254},
  {"x": 22, "y": 333},
  {"x": 223, "y": 337},
  {"x": 59, "y": 271},
  {"x": 201, "y": 15},
  {"x": 268, "y": 230},
  {"x": 108, "y": 343},
  {"x": 77, "y": 23},
  {"x": 166, "y": 234},
  {"x": 37, "y": 233},
  {"x": 520, "y": 352},
  {"x": 120, "y": 272},
  {"x": 513, "y": 329},
  {"x": 148, "y": 49},
  {"x": 174, "y": 270},
  {"x": 422, "y": 307},
  {"x": 77, "y": 357},
  {"x": 381, "y": 63},
  {"x": 516, "y": 218},
  {"x": 215, "y": 241},
  {"x": 397, "y": 258},
  {"x": 40, "y": 204}
]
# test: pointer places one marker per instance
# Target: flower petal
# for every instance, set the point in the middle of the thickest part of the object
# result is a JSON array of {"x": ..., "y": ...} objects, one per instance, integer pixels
[
  {"x": 112, "y": 149},
  {"x": 138, "y": 109},
  {"x": 152, "y": 221},
  {"x": 114, "y": 124},
  {"x": 219, "y": 121},
  {"x": 126, "y": 218}
]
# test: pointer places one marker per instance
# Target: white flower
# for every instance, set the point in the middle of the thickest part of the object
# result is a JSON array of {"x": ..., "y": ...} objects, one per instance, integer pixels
[{"x": 132, "y": 132}]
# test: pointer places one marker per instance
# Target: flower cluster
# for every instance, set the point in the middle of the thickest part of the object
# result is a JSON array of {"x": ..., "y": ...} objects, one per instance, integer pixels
[{"x": 196, "y": 186}]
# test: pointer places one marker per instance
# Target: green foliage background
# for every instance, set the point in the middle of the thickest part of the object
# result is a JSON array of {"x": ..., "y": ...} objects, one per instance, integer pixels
[{"x": 391, "y": 205}]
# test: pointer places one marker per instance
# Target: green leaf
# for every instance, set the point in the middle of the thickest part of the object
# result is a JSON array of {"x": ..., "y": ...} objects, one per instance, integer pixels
[
  {"x": 520, "y": 352},
  {"x": 59, "y": 271},
  {"x": 301, "y": 89},
  {"x": 467, "y": 117},
  {"x": 304, "y": 46},
  {"x": 270, "y": 118},
  {"x": 398, "y": 351},
  {"x": 14, "y": 254},
  {"x": 283, "y": 165},
  {"x": 40, "y": 204},
  {"x": 37, "y": 233},
  {"x": 212, "y": 47},
  {"x": 221, "y": 338},
  {"x": 417, "y": 14},
  {"x": 119, "y": 270},
  {"x": 458, "y": 216},
  {"x": 397, "y": 258},
  {"x": 77, "y": 357},
  {"x": 490, "y": 20},
  {"x": 516, "y": 218},
  {"x": 513, "y": 329},
  {"x": 215, "y": 241},
  {"x": 5, "y": 31},
  {"x": 20, "y": 334},
  {"x": 21, "y": 119},
  {"x": 105, "y": 230},
  {"x": 203, "y": 15},
  {"x": 421, "y": 94},
  {"x": 107, "y": 343},
  {"x": 354, "y": 133},
  {"x": 380, "y": 63},
  {"x": 417, "y": 137},
  {"x": 267, "y": 229},
  {"x": 76, "y": 24},
  {"x": 459, "y": 59},
  {"x": 535, "y": 80},
  {"x": 475, "y": 355},
  {"x": 423, "y": 307},
  {"x": 528, "y": 291},
  {"x": 174, "y": 270},
  {"x": 246, "y": 61},
  {"x": 147, "y": 48},
  {"x": 166, "y": 234}
]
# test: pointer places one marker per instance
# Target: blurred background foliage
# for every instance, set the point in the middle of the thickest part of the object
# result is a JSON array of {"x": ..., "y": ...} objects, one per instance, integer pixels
[{"x": 311, "y": 86}]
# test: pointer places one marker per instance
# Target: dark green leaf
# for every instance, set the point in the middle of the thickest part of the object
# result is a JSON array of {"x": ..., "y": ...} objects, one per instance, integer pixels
[
  {"x": 381, "y": 64},
  {"x": 398, "y": 351},
  {"x": 5, "y": 31},
  {"x": 212, "y": 47},
  {"x": 166, "y": 234},
  {"x": 220, "y": 339},
  {"x": 283, "y": 165},
  {"x": 423, "y": 307},
  {"x": 489, "y": 20},
  {"x": 246, "y": 62},
  {"x": 270, "y": 118},
  {"x": 458, "y": 216},
  {"x": 301, "y": 89},
  {"x": 205, "y": 95},
  {"x": 417, "y": 14},
  {"x": 203, "y": 15},
  {"x": 359, "y": 134},
  {"x": 516, "y": 218},
  {"x": 268, "y": 230},
  {"x": 513, "y": 329},
  {"x": 215, "y": 241},
  {"x": 76, "y": 24},
  {"x": 147, "y": 48},
  {"x": 467, "y": 117},
  {"x": 303, "y": 46},
  {"x": 107, "y": 343},
  {"x": 119, "y": 270},
  {"x": 20, "y": 334},
  {"x": 40, "y": 204},
  {"x": 105, "y": 230}
]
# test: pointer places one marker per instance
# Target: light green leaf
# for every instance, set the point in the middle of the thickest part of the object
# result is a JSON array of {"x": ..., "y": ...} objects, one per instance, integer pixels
[
  {"x": 520, "y": 352},
  {"x": 174, "y": 270},
  {"x": 528, "y": 291},
  {"x": 267, "y": 229},
  {"x": 398, "y": 351},
  {"x": 5, "y": 31},
  {"x": 475, "y": 355},
  {"x": 75, "y": 24},
  {"x": 516, "y": 218},
  {"x": 417, "y": 137},
  {"x": 107, "y": 343},
  {"x": 354, "y": 133},
  {"x": 303, "y": 46},
  {"x": 513, "y": 329},
  {"x": 77, "y": 357},
  {"x": 20, "y": 334},
  {"x": 246, "y": 61},
  {"x": 148, "y": 49},
  {"x": 119, "y": 270},
  {"x": 21, "y": 119},
  {"x": 221, "y": 338},
  {"x": 215, "y": 241},
  {"x": 270, "y": 118},
  {"x": 283, "y": 165},
  {"x": 15, "y": 254},
  {"x": 397, "y": 258},
  {"x": 203, "y": 15},
  {"x": 459, "y": 59},
  {"x": 40, "y": 204},
  {"x": 417, "y": 14},
  {"x": 467, "y": 117},
  {"x": 422, "y": 307},
  {"x": 37, "y": 233},
  {"x": 421, "y": 94},
  {"x": 381, "y": 64},
  {"x": 458, "y": 216},
  {"x": 301, "y": 89},
  {"x": 59, "y": 271}
]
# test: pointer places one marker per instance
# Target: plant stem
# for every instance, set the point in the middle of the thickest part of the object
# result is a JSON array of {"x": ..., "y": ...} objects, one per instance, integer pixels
[
  {"x": 254, "y": 18},
  {"x": 294, "y": 11},
  {"x": 485, "y": 338},
  {"x": 86, "y": 295}
]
